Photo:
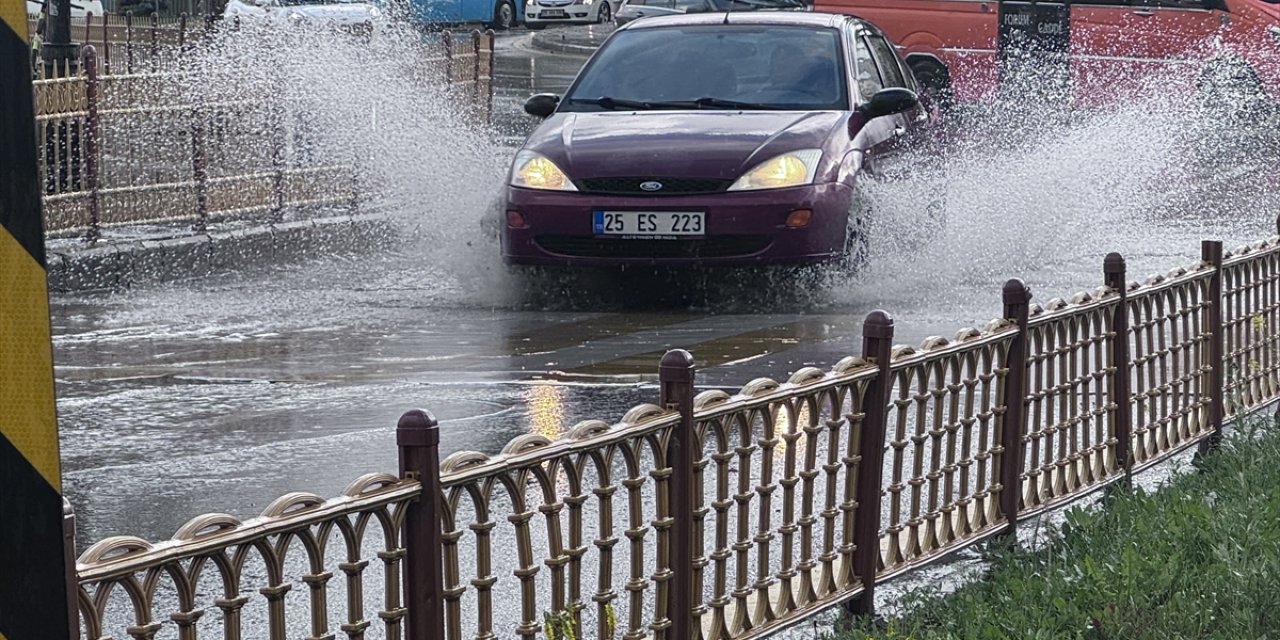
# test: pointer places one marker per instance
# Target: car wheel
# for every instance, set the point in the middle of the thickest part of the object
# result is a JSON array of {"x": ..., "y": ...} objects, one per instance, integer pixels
[
  {"x": 504, "y": 15},
  {"x": 857, "y": 247},
  {"x": 606, "y": 13},
  {"x": 934, "y": 79},
  {"x": 1229, "y": 88}
]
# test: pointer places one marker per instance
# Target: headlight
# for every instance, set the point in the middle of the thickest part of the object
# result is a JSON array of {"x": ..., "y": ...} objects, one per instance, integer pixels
[
  {"x": 533, "y": 171},
  {"x": 787, "y": 170},
  {"x": 1275, "y": 34}
]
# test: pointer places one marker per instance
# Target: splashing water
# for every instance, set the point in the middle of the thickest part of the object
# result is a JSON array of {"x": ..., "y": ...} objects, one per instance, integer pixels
[{"x": 1029, "y": 193}]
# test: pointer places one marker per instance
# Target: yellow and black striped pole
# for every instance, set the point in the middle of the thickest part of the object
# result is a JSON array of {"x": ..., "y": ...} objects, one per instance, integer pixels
[{"x": 33, "y": 576}]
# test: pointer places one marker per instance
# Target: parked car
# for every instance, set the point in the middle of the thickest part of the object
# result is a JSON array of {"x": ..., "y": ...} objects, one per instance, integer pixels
[
  {"x": 355, "y": 15},
  {"x": 1099, "y": 51},
  {"x": 540, "y": 13},
  {"x": 634, "y": 9},
  {"x": 702, "y": 139},
  {"x": 79, "y": 8}
]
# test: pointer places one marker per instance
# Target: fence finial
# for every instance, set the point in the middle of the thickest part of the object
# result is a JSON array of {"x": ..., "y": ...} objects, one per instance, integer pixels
[{"x": 1016, "y": 292}]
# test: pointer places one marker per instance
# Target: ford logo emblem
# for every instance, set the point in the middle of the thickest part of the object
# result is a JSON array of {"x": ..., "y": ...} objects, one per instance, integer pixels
[{"x": 652, "y": 185}]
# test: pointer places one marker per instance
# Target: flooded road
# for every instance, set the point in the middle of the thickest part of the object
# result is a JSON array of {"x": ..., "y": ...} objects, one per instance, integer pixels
[{"x": 222, "y": 393}]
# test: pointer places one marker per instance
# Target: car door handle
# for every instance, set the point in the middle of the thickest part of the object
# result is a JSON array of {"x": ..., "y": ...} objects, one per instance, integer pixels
[{"x": 1143, "y": 12}]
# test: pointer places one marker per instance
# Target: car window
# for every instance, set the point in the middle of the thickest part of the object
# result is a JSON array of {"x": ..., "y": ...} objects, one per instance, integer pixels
[
  {"x": 755, "y": 66},
  {"x": 868, "y": 77},
  {"x": 685, "y": 4},
  {"x": 890, "y": 72}
]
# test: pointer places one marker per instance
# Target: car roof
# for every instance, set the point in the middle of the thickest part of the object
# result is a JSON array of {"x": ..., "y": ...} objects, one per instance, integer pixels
[{"x": 762, "y": 17}]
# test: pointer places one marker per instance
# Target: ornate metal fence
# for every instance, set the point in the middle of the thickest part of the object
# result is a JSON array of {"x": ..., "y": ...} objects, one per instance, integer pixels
[
  {"x": 730, "y": 516},
  {"x": 138, "y": 137}
]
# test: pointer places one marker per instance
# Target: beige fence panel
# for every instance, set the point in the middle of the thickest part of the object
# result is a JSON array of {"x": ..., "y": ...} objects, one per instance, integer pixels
[
  {"x": 146, "y": 585},
  {"x": 776, "y": 453},
  {"x": 1251, "y": 301},
  {"x": 599, "y": 472},
  {"x": 168, "y": 149},
  {"x": 945, "y": 420},
  {"x": 1070, "y": 438},
  {"x": 1171, "y": 363}
]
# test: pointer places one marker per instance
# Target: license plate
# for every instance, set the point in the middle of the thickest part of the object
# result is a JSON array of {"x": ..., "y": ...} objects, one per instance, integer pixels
[
  {"x": 553, "y": 13},
  {"x": 649, "y": 223}
]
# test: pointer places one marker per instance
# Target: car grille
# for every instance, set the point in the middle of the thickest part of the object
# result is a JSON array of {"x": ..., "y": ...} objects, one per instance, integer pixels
[
  {"x": 708, "y": 247},
  {"x": 670, "y": 186}
]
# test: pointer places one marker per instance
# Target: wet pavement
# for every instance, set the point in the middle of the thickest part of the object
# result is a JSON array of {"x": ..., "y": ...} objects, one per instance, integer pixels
[{"x": 221, "y": 393}]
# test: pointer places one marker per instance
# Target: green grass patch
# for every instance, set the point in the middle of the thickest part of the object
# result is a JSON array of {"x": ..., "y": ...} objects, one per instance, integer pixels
[{"x": 1200, "y": 558}]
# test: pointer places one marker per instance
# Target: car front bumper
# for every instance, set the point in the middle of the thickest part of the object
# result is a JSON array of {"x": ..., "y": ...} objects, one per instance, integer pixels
[
  {"x": 567, "y": 14},
  {"x": 742, "y": 228}
]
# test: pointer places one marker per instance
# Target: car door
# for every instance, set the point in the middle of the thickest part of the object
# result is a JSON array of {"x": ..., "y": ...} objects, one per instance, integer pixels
[{"x": 902, "y": 131}]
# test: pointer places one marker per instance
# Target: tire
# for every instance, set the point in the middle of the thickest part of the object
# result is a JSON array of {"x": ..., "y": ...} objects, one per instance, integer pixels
[
  {"x": 504, "y": 15},
  {"x": 1229, "y": 88},
  {"x": 934, "y": 79},
  {"x": 857, "y": 247},
  {"x": 606, "y": 13}
]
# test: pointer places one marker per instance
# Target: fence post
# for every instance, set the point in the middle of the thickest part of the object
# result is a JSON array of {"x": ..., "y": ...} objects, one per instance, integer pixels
[
  {"x": 1117, "y": 280},
  {"x": 199, "y": 174},
  {"x": 877, "y": 346},
  {"x": 155, "y": 44},
  {"x": 475, "y": 70},
  {"x": 128, "y": 42},
  {"x": 448, "y": 58},
  {"x": 1211, "y": 253},
  {"x": 491, "y": 38},
  {"x": 277, "y": 166},
  {"x": 1017, "y": 309},
  {"x": 418, "y": 438},
  {"x": 90, "y": 64},
  {"x": 675, "y": 377},
  {"x": 73, "y": 578}
]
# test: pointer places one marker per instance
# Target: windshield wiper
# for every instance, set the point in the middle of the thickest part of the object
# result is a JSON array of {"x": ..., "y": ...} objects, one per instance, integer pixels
[
  {"x": 613, "y": 103},
  {"x": 711, "y": 103},
  {"x": 700, "y": 103}
]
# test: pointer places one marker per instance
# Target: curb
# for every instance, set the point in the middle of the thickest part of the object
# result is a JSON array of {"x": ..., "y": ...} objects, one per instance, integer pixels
[
  {"x": 123, "y": 264},
  {"x": 546, "y": 41}
]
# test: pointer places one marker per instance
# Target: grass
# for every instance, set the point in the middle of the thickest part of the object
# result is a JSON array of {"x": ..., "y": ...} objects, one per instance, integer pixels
[{"x": 1200, "y": 558}]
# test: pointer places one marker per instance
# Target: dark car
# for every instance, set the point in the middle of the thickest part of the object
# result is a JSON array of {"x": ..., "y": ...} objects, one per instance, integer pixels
[{"x": 734, "y": 139}]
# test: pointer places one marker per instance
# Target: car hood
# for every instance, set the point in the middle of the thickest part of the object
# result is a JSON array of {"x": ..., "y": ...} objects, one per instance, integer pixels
[{"x": 705, "y": 144}]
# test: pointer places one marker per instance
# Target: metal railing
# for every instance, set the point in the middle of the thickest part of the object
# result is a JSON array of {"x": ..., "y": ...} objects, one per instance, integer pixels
[
  {"x": 137, "y": 141},
  {"x": 719, "y": 516}
]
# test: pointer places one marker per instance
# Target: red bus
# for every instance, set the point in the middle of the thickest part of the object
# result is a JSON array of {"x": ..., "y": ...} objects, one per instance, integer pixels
[{"x": 1221, "y": 52}]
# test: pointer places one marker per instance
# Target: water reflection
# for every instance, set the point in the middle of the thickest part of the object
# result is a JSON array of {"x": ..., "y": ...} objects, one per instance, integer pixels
[{"x": 546, "y": 409}]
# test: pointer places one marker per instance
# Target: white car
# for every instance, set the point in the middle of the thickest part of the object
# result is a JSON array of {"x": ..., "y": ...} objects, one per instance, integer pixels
[
  {"x": 79, "y": 8},
  {"x": 350, "y": 14},
  {"x": 540, "y": 13}
]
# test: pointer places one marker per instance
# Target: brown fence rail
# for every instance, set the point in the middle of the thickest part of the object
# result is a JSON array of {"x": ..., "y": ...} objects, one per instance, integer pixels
[
  {"x": 135, "y": 140},
  {"x": 722, "y": 516}
]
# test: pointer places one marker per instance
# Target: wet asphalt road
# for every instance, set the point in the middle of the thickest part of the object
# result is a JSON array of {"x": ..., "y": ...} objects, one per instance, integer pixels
[{"x": 222, "y": 393}]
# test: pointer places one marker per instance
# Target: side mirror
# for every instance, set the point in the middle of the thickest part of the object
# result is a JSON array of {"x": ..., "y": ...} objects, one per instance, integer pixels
[
  {"x": 542, "y": 104},
  {"x": 887, "y": 102}
]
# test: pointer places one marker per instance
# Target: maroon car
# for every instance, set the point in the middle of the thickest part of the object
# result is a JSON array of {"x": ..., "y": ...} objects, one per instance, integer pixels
[{"x": 729, "y": 138}]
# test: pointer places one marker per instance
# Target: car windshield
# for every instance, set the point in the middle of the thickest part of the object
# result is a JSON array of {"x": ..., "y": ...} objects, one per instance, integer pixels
[{"x": 714, "y": 67}]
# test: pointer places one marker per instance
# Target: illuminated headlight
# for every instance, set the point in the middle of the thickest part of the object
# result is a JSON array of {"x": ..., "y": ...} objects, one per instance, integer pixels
[
  {"x": 787, "y": 170},
  {"x": 533, "y": 171},
  {"x": 1274, "y": 30}
]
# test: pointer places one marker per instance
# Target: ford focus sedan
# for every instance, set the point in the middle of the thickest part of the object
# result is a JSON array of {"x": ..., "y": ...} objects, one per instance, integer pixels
[{"x": 714, "y": 139}]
